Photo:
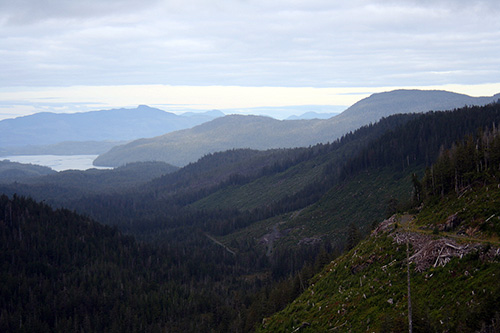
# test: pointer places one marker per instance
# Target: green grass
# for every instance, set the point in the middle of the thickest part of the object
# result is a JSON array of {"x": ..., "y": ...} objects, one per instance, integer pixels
[
  {"x": 478, "y": 210},
  {"x": 264, "y": 190},
  {"x": 361, "y": 201},
  {"x": 255, "y": 231},
  {"x": 347, "y": 289},
  {"x": 365, "y": 290}
]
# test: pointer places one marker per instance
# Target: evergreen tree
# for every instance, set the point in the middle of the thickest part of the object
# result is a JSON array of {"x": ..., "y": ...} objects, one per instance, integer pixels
[{"x": 353, "y": 236}]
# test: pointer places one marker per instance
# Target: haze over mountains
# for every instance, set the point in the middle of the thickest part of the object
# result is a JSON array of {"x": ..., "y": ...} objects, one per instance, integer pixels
[
  {"x": 182, "y": 139},
  {"x": 312, "y": 115},
  {"x": 256, "y": 132},
  {"x": 88, "y": 130}
]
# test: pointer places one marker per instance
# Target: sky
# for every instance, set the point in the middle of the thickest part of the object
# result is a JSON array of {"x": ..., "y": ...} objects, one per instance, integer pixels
[{"x": 183, "y": 55}]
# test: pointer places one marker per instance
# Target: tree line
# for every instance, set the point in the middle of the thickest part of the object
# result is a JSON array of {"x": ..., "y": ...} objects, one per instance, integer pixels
[
  {"x": 472, "y": 161},
  {"x": 419, "y": 141}
]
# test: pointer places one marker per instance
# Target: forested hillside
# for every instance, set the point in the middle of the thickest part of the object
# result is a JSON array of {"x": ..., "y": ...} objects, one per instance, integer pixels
[
  {"x": 63, "y": 272},
  {"x": 446, "y": 280},
  {"x": 237, "y": 235},
  {"x": 12, "y": 171},
  {"x": 58, "y": 188},
  {"x": 421, "y": 140},
  {"x": 367, "y": 187}
]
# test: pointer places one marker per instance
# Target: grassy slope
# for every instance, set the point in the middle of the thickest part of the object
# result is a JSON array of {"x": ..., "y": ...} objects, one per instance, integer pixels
[
  {"x": 268, "y": 189},
  {"x": 365, "y": 289},
  {"x": 263, "y": 190},
  {"x": 360, "y": 200},
  {"x": 477, "y": 210}
]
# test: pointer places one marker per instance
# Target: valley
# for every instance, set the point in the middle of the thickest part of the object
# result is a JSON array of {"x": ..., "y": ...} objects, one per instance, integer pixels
[
  {"x": 309, "y": 237},
  {"x": 249, "y": 166}
]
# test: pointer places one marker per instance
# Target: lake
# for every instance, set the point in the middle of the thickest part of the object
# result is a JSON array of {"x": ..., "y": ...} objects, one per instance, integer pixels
[{"x": 57, "y": 162}]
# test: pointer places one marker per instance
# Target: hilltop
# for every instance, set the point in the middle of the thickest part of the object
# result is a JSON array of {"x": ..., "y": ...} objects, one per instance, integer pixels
[
  {"x": 379, "y": 105},
  {"x": 12, "y": 171}
]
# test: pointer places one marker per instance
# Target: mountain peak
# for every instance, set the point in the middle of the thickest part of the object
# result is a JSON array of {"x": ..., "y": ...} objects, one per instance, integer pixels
[{"x": 145, "y": 107}]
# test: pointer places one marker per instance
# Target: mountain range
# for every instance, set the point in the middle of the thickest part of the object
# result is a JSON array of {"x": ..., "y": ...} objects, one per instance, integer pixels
[
  {"x": 312, "y": 115},
  {"x": 85, "y": 131},
  {"x": 257, "y": 132}
]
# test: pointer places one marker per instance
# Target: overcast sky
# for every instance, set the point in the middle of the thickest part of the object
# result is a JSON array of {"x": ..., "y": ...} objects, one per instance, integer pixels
[{"x": 65, "y": 55}]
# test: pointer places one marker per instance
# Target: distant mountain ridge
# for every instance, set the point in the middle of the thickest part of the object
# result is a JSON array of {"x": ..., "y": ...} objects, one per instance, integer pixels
[
  {"x": 105, "y": 125},
  {"x": 257, "y": 132},
  {"x": 384, "y": 104},
  {"x": 233, "y": 131},
  {"x": 313, "y": 115}
]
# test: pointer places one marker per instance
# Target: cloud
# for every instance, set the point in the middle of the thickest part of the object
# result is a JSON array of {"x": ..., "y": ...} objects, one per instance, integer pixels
[
  {"x": 27, "y": 12},
  {"x": 250, "y": 43}
]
